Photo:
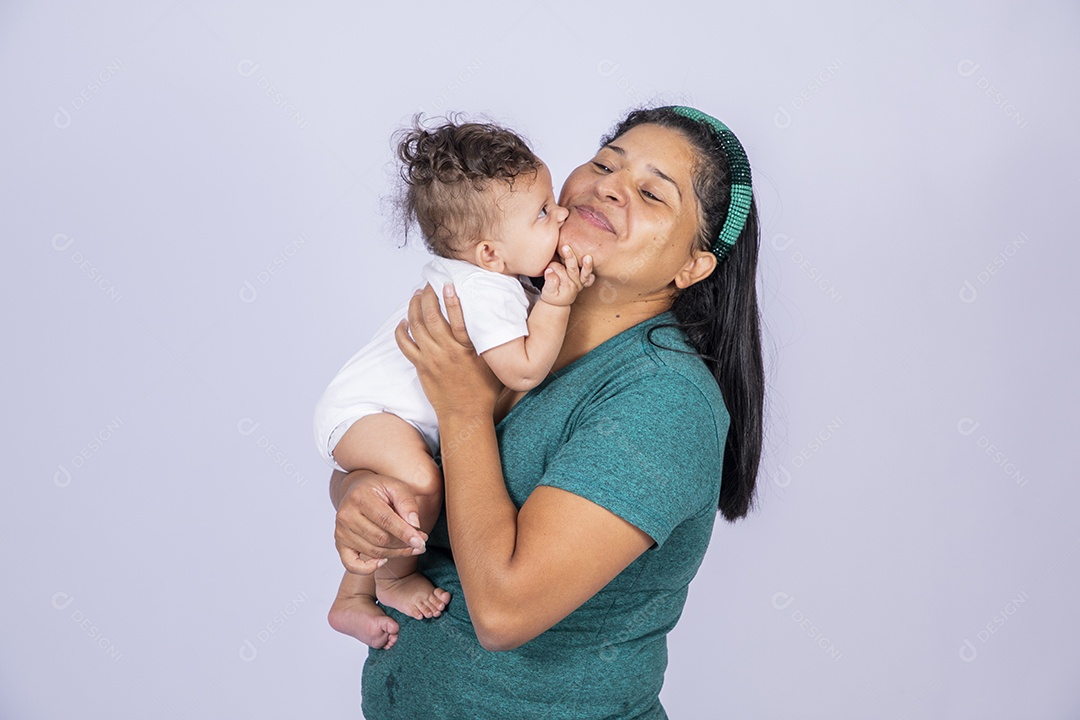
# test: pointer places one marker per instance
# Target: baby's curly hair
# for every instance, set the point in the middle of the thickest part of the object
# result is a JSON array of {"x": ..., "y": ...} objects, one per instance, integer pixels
[{"x": 447, "y": 170}]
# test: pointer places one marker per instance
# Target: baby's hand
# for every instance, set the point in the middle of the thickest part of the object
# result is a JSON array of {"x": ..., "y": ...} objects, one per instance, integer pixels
[{"x": 563, "y": 282}]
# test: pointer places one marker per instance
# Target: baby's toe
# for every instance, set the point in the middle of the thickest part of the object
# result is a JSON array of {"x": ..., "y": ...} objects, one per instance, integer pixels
[
  {"x": 390, "y": 626},
  {"x": 432, "y": 607}
]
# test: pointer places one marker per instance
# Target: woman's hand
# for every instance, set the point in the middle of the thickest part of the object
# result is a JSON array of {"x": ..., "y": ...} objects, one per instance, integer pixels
[
  {"x": 376, "y": 519},
  {"x": 453, "y": 376}
]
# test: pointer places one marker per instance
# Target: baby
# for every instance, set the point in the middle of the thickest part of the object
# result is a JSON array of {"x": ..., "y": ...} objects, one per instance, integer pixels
[{"x": 486, "y": 208}]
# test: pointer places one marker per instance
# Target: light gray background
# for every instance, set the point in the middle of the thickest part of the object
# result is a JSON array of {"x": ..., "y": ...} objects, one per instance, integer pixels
[{"x": 190, "y": 207}]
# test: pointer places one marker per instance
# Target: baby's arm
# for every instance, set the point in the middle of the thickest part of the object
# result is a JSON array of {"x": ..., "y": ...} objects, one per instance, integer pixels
[{"x": 522, "y": 364}]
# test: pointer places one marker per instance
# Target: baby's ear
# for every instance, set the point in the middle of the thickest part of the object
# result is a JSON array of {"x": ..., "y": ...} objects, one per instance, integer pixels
[{"x": 486, "y": 255}]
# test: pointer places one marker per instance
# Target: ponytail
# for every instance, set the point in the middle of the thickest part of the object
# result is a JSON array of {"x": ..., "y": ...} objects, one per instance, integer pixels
[{"x": 719, "y": 314}]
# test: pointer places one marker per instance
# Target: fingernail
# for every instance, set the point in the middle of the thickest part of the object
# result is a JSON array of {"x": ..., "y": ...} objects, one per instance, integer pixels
[
  {"x": 417, "y": 551},
  {"x": 414, "y": 519},
  {"x": 418, "y": 293},
  {"x": 449, "y": 290},
  {"x": 417, "y": 542},
  {"x": 566, "y": 248},
  {"x": 381, "y": 562}
]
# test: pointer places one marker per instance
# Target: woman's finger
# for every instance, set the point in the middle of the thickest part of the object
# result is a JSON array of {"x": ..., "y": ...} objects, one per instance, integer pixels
[
  {"x": 456, "y": 316},
  {"x": 434, "y": 322},
  {"x": 382, "y": 511},
  {"x": 349, "y": 551},
  {"x": 403, "y": 502},
  {"x": 356, "y": 529},
  {"x": 418, "y": 328},
  {"x": 359, "y": 564},
  {"x": 405, "y": 342},
  {"x": 366, "y": 538}
]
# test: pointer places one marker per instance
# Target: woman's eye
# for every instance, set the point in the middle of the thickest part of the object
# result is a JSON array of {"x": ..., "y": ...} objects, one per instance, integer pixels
[
  {"x": 601, "y": 167},
  {"x": 649, "y": 195}
]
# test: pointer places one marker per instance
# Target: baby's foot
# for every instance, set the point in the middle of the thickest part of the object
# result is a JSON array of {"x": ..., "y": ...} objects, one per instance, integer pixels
[
  {"x": 359, "y": 616},
  {"x": 412, "y": 594}
]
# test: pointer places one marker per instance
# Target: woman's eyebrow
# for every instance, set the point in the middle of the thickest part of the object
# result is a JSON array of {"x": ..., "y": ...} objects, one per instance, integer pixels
[{"x": 651, "y": 168}]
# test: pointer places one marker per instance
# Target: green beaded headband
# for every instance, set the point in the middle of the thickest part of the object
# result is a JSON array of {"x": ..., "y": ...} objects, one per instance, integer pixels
[{"x": 739, "y": 167}]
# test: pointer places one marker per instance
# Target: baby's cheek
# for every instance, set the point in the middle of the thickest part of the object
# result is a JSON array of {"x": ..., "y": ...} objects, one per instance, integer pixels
[{"x": 555, "y": 240}]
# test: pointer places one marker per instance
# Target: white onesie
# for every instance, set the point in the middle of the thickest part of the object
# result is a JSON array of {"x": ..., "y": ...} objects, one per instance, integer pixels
[{"x": 380, "y": 379}]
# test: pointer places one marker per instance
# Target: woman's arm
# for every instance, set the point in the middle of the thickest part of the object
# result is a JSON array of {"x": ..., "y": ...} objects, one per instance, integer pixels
[
  {"x": 524, "y": 571},
  {"x": 521, "y": 571}
]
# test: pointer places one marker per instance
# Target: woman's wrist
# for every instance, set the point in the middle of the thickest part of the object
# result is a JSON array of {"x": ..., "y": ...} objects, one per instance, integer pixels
[
  {"x": 464, "y": 415},
  {"x": 458, "y": 426}
]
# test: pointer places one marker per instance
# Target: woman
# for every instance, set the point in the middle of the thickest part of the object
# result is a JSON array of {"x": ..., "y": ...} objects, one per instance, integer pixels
[{"x": 579, "y": 512}]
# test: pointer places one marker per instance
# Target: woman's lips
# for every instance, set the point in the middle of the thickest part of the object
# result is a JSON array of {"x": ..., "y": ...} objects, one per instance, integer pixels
[{"x": 594, "y": 217}]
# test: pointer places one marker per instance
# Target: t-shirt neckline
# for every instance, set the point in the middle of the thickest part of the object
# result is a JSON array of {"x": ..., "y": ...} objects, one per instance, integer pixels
[{"x": 593, "y": 355}]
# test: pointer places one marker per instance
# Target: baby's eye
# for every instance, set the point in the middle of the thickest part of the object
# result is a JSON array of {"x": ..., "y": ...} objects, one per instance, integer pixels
[{"x": 543, "y": 211}]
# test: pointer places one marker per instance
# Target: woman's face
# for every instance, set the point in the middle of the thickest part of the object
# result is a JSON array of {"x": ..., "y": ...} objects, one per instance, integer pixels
[{"x": 633, "y": 208}]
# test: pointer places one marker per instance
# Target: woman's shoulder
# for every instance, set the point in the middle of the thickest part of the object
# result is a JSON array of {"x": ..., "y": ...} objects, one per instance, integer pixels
[
  {"x": 662, "y": 358},
  {"x": 659, "y": 373},
  {"x": 641, "y": 432}
]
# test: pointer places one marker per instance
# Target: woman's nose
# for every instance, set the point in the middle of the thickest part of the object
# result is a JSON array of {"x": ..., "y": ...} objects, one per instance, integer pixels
[{"x": 612, "y": 186}]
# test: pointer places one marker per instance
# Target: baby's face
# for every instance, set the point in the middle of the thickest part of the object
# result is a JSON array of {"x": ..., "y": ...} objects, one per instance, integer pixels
[{"x": 530, "y": 224}]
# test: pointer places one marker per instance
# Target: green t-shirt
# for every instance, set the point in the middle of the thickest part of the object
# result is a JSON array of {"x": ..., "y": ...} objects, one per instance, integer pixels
[{"x": 633, "y": 428}]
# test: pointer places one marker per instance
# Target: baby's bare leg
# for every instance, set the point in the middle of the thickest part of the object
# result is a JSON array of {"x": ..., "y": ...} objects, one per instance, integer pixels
[
  {"x": 387, "y": 445},
  {"x": 356, "y": 613}
]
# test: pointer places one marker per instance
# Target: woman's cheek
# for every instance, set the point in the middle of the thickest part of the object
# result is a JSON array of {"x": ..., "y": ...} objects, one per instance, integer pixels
[{"x": 574, "y": 234}]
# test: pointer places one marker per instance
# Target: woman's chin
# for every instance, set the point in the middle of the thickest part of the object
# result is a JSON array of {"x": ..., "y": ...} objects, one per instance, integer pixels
[{"x": 581, "y": 247}]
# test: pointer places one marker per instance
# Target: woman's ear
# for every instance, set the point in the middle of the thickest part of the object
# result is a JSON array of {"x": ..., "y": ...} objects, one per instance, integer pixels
[{"x": 700, "y": 266}]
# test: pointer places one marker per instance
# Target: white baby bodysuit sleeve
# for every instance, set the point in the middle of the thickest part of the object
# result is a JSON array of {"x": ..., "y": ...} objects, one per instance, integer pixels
[{"x": 495, "y": 307}]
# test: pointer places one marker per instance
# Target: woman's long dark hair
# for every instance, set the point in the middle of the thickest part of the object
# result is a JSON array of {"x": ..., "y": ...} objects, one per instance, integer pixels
[{"x": 720, "y": 313}]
